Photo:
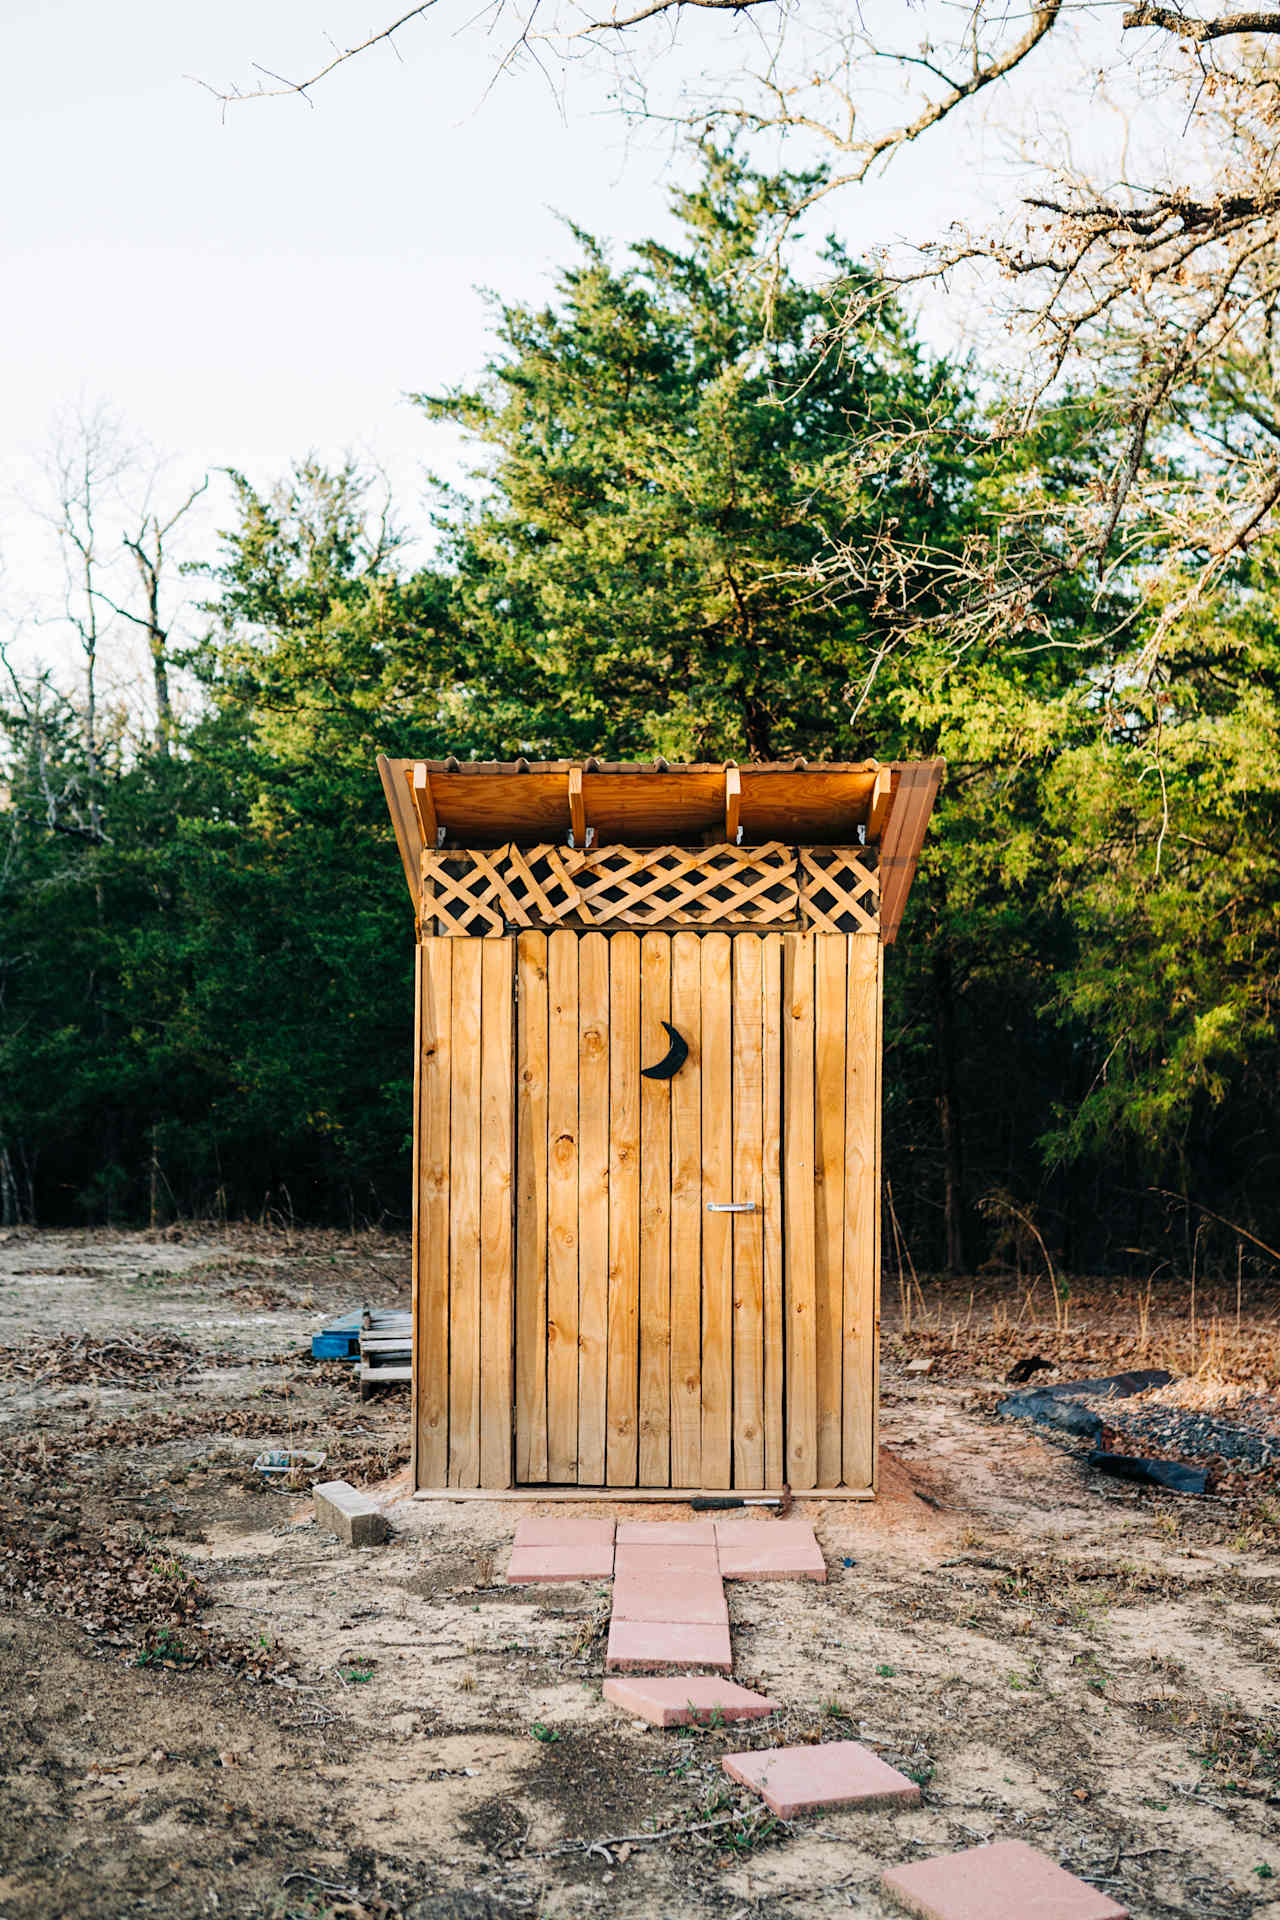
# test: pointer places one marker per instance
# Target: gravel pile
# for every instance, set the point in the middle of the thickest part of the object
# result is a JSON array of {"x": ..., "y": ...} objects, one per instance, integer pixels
[{"x": 1182, "y": 1435}]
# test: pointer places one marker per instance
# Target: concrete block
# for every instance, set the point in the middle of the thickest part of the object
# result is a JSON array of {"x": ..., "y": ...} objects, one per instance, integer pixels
[
  {"x": 1006, "y": 1881},
  {"x": 352, "y": 1516},
  {"x": 841, "y": 1773}
]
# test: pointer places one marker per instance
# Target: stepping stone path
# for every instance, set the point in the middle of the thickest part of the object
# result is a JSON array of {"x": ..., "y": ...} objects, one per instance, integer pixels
[
  {"x": 839, "y": 1773},
  {"x": 669, "y": 1611},
  {"x": 668, "y": 1589},
  {"x": 1007, "y": 1881}
]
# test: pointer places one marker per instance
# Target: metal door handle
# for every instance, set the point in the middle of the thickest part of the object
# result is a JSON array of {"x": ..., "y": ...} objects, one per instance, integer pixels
[{"x": 731, "y": 1206}]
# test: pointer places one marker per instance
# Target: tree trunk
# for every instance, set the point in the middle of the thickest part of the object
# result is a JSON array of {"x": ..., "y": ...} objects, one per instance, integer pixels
[
  {"x": 949, "y": 1110},
  {"x": 9, "y": 1214}
]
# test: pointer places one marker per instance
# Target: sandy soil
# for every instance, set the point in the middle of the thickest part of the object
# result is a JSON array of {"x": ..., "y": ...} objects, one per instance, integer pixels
[{"x": 210, "y": 1708}]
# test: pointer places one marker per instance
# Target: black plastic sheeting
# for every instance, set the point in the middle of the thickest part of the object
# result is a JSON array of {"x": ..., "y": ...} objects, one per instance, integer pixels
[
  {"x": 1047, "y": 1410},
  {"x": 1057, "y": 1406},
  {"x": 1151, "y": 1473},
  {"x": 1116, "y": 1386},
  {"x": 1062, "y": 1407}
]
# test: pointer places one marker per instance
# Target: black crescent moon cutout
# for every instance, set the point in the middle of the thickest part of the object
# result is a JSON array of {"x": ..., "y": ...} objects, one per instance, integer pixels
[{"x": 672, "y": 1060}]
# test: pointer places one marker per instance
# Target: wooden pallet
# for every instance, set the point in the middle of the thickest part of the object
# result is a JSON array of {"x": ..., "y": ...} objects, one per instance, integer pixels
[
  {"x": 386, "y": 1351},
  {"x": 339, "y": 1339}
]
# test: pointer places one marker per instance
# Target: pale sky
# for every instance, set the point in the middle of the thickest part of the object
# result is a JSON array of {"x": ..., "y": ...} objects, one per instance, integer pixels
[{"x": 248, "y": 287}]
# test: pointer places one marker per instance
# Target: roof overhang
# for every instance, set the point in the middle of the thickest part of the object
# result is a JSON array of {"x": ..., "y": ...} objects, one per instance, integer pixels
[{"x": 487, "y": 804}]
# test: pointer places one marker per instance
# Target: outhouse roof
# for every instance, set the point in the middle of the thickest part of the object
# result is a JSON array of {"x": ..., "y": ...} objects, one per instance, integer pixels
[{"x": 492, "y": 803}]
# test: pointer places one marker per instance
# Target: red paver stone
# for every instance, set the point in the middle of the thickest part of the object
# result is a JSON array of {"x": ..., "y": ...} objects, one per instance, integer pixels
[
  {"x": 637, "y": 1646},
  {"x": 769, "y": 1550},
  {"x": 778, "y": 1563},
  {"x": 556, "y": 1530},
  {"x": 1007, "y": 1881},
  {"x": 677, "y": 1703},
  {"x": 694, "y": 1556},
  {"x": 693, "y": 1598},
  {"x": 658, "y": 1533},
  {"x": 555, "y": 1547},
  {"x": 582, "y": 1562},
  {"x": 842, "y": 1773}
]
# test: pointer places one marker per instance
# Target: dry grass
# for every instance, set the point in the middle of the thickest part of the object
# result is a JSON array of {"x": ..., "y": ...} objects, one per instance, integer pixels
[{"x": 1219, "y": 1341}]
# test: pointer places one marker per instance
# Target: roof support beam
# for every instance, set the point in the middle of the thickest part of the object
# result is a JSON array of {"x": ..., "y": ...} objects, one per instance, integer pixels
[
  {"x": 577, "y": 808},
  {"x": 732, "y": 804},
  {"x": 405, "y": 822},
  {"x": 425, "y": 807},
  {"x": 878, "y": 810},
  {"x": 903, "y": 836}
]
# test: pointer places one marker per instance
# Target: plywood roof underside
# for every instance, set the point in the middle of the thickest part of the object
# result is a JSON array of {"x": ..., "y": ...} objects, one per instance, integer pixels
[{"x": 455, "y": 803}]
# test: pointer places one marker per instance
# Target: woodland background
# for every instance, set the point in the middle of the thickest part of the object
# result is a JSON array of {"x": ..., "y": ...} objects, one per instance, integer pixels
[{"x": 725, "y": 507}]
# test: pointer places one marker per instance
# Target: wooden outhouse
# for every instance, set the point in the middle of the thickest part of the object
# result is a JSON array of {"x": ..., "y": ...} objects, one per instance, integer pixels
[{"x": 647, "y": 1118}]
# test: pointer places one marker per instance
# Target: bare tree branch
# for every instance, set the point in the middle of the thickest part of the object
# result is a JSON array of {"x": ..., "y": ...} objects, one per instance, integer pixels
[
  {"x": 1171, "y": 20},
  {"x": 303, "y": 87},
  {"x": 619, "y": 22}
]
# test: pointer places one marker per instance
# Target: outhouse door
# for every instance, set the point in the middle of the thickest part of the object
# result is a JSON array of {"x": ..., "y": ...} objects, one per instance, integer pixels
[{"x": 694, "y": 1250}]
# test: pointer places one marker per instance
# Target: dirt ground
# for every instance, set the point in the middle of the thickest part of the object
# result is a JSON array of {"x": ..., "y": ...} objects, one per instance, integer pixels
[{"x": 209, "y": 1708}]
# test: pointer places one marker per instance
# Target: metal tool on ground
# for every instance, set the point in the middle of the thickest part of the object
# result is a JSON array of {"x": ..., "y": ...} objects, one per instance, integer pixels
[{"x": 722, "y": 1503}]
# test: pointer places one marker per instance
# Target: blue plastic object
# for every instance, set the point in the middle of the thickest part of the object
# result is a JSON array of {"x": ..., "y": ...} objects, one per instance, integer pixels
[{"x": 338, "y": 1339}]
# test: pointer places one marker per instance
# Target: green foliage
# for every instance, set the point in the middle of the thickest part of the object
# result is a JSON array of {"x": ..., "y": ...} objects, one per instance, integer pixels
[
  {"x": 670, "y": 446},
  {"x": 206, "y": 1004}
]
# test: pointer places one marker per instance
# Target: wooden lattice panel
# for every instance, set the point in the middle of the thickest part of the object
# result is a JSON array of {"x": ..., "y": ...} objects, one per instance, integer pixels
[
  {"x": 839, "y": 890},
  {"x": 489, "y": 891},
  {"x": 486, "y": 891},
  {"x": 719, "y": 886}
]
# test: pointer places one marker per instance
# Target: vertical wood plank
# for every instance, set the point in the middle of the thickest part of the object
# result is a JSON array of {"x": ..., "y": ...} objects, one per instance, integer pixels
[
  {"x": 415, "y": 1227},
  {"x": 497, "y": 1082},
  {"x": 431, "y": 1232},
  {"x": 775, "y": 1459},
  {"x": 686, "y": 1217},
  {"x": 797, "y": 1173},
  {"x": 531, "y": 1210},
  {"x": 464, "y": 1220},
  {"x": 562, "y": 1207},
  {"x": 655, "y": 1217},
  {"x": 830, "y": 1014},
  {"x": 861, "y": 1210},
  {"x": 717, "y": 1228},
  {"x": 878, "y": 1055},
  {"x": 624, "y": 1209},
  {"x": 593, "y": 1204},
  {"x": 748, "y": 1228}
]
